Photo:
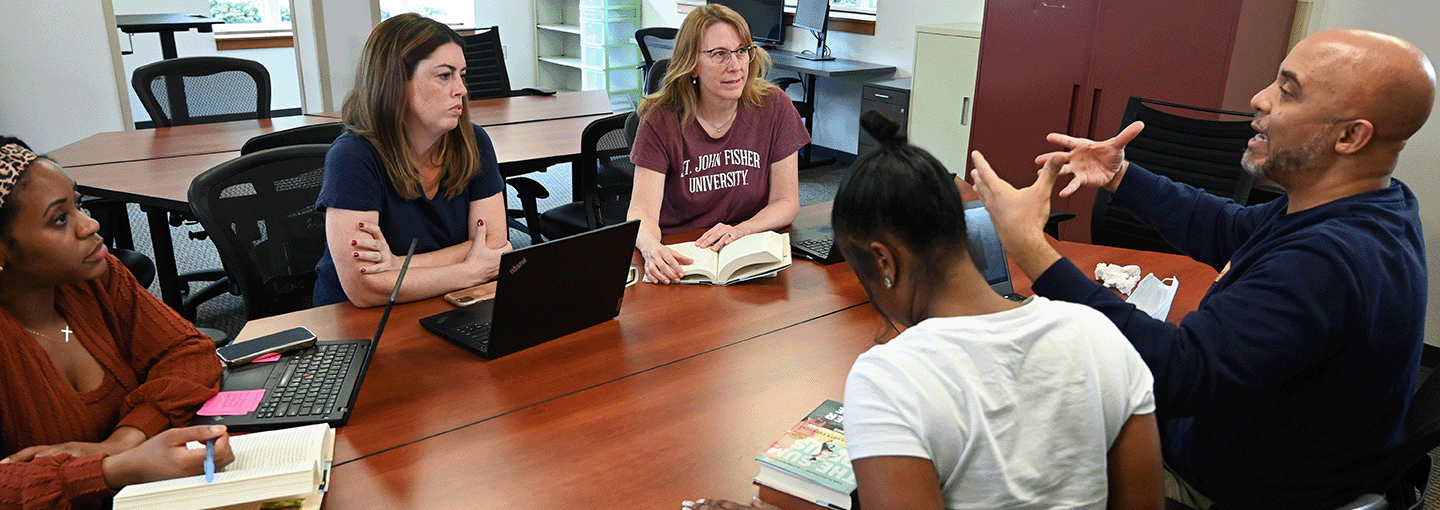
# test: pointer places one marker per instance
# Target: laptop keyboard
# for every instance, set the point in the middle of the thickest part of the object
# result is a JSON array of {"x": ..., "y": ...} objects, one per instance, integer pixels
[
  {"x": 478, "y": 333},
  {"x": 820, "y": 247},
  {"x": 311, "y": 386}
]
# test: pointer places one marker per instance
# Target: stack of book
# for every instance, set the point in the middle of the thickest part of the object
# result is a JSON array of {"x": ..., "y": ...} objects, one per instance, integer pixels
[{"x": 811, "y": 461}]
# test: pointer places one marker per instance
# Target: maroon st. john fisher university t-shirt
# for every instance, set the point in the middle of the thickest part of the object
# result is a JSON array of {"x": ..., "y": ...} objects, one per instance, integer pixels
[{"x": 717, "y": 180}]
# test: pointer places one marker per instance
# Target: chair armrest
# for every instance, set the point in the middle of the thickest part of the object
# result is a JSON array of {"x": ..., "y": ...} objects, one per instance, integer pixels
[
  {"x": 534, "y": 91},
  {"x": 785, "y": 83},
  {"x": 1052, "y": 225}
]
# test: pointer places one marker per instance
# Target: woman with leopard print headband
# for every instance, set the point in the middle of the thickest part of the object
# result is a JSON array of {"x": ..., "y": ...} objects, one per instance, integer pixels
[{"x": 97, "y": 373}]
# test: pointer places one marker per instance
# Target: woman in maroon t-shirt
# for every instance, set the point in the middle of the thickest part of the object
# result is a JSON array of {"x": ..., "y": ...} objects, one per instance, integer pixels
[{"x": 717, "y": 145}]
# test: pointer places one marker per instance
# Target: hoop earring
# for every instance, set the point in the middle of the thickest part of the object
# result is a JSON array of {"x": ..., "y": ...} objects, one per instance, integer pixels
[{"x": 889, "y": 284}]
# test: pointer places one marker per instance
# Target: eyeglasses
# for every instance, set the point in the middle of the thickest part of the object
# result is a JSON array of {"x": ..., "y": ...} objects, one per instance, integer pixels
[{"x": 721, "y": 56}]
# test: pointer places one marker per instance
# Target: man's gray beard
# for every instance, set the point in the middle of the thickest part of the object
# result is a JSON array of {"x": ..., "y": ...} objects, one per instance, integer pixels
[{"x": 1285, "y": 161}]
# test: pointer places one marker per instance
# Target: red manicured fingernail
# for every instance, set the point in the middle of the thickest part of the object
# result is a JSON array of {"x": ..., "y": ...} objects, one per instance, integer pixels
[
  {"x": 480, "y": 222},
  {"x": 362, "y": 225},
  {"x": 362, "y": 269},
  {"x": 354, "y": 242},
  {"x": 355, "y": 254}
]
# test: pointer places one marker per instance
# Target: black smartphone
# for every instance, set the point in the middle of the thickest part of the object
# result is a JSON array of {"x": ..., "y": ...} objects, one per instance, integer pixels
[{"x": 238, "y": 353}]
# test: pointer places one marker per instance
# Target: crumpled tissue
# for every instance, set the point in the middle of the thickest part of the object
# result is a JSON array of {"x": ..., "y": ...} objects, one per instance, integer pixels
[{"x": 1122, "y": 278}]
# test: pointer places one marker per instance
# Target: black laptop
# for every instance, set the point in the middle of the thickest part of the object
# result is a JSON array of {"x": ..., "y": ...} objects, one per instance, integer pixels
[
  {"x": 545, "y": 291},
  {"x": 313, "y": 385},
  {"x": 815, "y": 243},
  {"x": 986, "y": 250}
]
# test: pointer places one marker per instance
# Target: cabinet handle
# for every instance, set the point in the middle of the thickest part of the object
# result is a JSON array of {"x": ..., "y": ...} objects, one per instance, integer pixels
[
  {"x": 965, "y": 111},
  {"x": 1094, "y": 112},
  {"x": 882, "y": 96}
]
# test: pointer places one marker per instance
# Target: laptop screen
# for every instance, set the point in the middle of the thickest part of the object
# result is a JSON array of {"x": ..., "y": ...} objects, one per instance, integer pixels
[{"x": 985, "y": 244}]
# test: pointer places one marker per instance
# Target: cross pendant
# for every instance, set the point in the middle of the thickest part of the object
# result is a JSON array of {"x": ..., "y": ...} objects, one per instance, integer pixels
[{"x": 67, "y": 333}]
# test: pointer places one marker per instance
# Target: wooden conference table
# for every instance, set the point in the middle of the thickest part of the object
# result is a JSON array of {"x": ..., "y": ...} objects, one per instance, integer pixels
[
  {"x": 154, "y": 167},
  {"x": 670, "y": 401}
]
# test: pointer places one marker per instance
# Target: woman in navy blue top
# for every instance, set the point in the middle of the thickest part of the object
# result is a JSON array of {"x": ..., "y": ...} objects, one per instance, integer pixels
[{"x": 403, "y": 170}]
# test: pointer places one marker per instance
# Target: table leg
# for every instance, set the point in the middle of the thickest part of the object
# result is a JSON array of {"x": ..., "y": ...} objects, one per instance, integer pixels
[
  {"x": 807, "y": 159},
  {"x": 167, "y": 45},
  {"x": 165, "y": 268}
]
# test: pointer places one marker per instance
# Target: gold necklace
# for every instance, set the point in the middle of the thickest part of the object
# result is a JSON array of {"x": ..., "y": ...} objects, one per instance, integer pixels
[{"x": 65, "y": 330}]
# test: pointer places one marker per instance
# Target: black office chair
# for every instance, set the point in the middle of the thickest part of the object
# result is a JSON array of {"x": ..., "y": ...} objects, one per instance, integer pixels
[
  {"x": 656, "y": 44},
  {"x": 261, "y": 209},
  {"x": 656, "y": 77},
  {"x": 1402, "y": 479},
  {"x": 486, "y": 76},
  {"x": 303, "y": 135},
  {"x": 144, "y": 271},
  {"x": 1201, "y": 152},
  {"x": 604, "y": 175},
  {"x": 200, "y": 90}
]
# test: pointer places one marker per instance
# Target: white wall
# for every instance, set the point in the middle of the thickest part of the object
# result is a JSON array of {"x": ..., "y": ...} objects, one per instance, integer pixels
[
  {"x": 516, "y": 19},
  {"x": 1415, "y": 22},
  {"x": 837, "y": 100},
  {"x": 58, "y": 80}
]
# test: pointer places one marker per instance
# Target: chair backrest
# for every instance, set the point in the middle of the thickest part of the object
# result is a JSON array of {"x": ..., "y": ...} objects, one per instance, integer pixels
[
  {"x": 656, "y": 43},
  {"x": 260, "y": 211},
  {"x": 200, "y": 90},
  {"x": 606, "y": 173},
  {"x": 1405, "y": 471},
  {"x": 303, "y": 135},
  {"x": 655, "y": 76},
  {"x": 486, "y": 76},
  {"x": 1201, "y": 150}
]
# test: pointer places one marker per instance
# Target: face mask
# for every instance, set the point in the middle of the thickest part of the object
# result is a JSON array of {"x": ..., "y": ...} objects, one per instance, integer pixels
[{"x": 1153, "y": 296}]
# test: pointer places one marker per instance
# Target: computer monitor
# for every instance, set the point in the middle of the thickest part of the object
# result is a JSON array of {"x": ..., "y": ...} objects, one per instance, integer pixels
[
  {"x": 811, "y": 15},
  {"x": 765, "y": 17}
]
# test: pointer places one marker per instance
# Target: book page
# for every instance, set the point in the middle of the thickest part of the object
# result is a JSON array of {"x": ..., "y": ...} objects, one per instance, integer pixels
[
  {"x": 705, "y": 260},
  {"x": 257, "y": 455},
  {"x": 760, "y": 249}
]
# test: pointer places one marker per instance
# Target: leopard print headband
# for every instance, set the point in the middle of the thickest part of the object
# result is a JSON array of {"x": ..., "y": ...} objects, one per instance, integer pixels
[{"x": 13, "y": 160}]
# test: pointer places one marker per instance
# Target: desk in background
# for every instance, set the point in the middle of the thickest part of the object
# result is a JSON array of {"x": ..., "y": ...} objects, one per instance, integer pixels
[
  {"x": 166, "y": 25},
  {"x": 791, "y": 61},
  {"x": 670, "y": 401},
  {"x": 518, "y": 109}
]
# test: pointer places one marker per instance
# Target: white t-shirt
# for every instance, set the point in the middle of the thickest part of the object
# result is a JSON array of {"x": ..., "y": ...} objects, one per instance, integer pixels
[{"x": 1016, "y": 409}]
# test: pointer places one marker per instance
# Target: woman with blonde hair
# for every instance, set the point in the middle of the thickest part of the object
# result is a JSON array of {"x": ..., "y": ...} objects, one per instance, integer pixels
[
  {"x": 410, "y": 165},
  {"x": 717, "y": 144}
]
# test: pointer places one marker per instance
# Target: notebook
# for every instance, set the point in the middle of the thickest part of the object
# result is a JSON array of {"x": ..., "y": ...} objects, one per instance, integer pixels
[
  {"x": 313, "y": 385},
  {"x": 986, "y": 250},
  {"x": 545, "y": 291}
]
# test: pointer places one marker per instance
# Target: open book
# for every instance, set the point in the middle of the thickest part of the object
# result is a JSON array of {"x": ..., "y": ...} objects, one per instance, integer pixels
[
  {"x": 289, "y": 465},
  {"x": 753, "y": 256}
]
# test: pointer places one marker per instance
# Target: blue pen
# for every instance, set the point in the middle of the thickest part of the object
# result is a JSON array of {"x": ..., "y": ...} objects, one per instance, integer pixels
[{"x": 209, "y": 460}]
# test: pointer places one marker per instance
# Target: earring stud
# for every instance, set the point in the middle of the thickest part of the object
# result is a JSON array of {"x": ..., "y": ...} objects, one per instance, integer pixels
[{"x": 889, "y": 284}]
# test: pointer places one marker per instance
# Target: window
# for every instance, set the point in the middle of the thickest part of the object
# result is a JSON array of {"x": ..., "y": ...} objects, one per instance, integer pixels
[
  {"x": 456, "y": 13},
  {"x": 847, "y": 6},
  {"x": 251, "y": 15},
  {"x": 864, "y": 6}
]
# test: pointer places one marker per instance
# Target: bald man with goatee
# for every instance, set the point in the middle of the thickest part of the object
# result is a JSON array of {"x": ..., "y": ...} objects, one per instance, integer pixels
[{"x": 1294, "y": 375}]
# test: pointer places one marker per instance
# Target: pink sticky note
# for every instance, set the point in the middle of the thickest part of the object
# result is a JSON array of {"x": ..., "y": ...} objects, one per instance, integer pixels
[
  {"x": 232, "y": 403},
  {"x": 274, "y": 356}
]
